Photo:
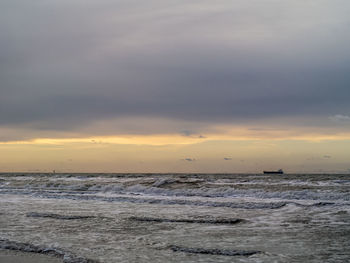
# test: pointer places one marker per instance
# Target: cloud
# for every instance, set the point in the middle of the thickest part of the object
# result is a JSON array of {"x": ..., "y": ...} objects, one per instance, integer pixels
[
  {"x": 340, "y": 118},
  {"x": 187, "y": 133},
  {"x": 192, "y": 134},
  {"x": 189, "y": 159},
  {"x": 200, "y": 63}
]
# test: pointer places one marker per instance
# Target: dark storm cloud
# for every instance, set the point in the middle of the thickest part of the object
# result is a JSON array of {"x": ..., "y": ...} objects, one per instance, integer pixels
[{"x": 65, "y": 64}]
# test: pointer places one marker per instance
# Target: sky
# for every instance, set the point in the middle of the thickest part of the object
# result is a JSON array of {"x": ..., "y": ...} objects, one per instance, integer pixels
[{"x": 175, "y": 85}]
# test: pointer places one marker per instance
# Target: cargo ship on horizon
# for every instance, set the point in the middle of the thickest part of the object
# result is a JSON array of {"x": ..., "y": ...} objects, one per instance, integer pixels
[{"x": 280, "y": 171}]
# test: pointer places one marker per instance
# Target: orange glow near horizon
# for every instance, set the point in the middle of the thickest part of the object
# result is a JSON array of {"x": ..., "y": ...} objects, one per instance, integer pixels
[
  {"x": 230, "y": 149},
  {"x": 230, "y": 134}
]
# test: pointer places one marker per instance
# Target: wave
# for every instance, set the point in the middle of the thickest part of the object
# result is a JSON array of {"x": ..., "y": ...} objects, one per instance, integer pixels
[
  {"x": 242, "y": 205},
  {"x": 198, "y": 221},
  {"x": 209, "y": 186},
  {"x": 214, "y": 251},
  {"x": 165, "y": 201},
  {"x": 66, "y": 256},
  {"x": 228, "y": 191},
  {"x": 56, "y": 216},
  {"x": 224, "y": 192}
]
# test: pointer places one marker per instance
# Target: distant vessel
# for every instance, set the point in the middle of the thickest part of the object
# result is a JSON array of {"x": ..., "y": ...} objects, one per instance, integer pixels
[{"x": 280, "y": 171}]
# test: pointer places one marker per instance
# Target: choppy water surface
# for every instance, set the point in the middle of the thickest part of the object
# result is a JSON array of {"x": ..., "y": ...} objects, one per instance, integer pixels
[{"x": 177, "y": 218}]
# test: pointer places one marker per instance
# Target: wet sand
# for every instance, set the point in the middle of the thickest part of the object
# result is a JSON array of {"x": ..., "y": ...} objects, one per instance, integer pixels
[{"x": 11, "y": 256}]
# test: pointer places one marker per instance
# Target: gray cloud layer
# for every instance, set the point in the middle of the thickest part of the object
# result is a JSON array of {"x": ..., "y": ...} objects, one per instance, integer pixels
[{"x": 64, "y": 64}]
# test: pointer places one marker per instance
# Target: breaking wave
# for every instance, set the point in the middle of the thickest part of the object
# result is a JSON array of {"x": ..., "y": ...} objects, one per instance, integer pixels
[
  {"x": 163, "y": 201},
  {"x": 176, "y": 187},
  {"x": 242, "y": 205}
]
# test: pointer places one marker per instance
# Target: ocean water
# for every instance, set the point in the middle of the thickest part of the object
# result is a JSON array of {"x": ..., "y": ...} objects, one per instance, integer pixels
[{"x": 177, "y": 217}]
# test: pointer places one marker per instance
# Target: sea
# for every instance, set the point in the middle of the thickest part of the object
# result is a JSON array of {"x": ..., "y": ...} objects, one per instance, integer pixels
[{"x": 111, "y": 218}]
